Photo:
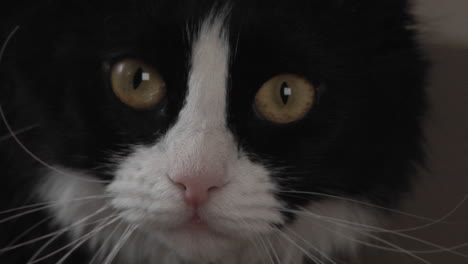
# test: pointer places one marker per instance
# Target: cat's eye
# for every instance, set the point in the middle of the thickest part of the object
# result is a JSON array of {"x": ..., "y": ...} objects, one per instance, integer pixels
[
  {"x": 137, "y": 84},
  {"x": 285, "y": 98}
]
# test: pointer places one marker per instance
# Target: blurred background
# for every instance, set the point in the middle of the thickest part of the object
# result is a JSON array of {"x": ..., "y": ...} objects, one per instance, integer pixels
[{"x": 444, "y": 184}]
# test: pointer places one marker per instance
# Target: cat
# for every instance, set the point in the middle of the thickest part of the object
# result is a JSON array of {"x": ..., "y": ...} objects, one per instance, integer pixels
[{"x": 157, "y": 131}]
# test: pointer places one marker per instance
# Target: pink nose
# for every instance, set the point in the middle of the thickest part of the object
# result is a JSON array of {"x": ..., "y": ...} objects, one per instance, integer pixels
[{"x": 198, "y": 189}]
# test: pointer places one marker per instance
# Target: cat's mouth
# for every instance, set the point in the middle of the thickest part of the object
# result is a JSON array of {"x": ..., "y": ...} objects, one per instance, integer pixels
[
  {"x": 195, "y": 224},
  {"x": 198, "y": 225}
]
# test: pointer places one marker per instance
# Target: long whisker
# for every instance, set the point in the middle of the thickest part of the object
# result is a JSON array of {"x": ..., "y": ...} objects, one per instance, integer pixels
[
  {"x": 270, "y": 244},
  {"x": 32, "y": 155},
  {"x": 79, "y": 222},
  {"x": 397, "y": 248},
  {"x": 267, "y": 251},
  {"x": 308, "y": 254},
  {"x": 13, "y": 135},
  {"x": 17, "y": 132},
  {"x": 39, "y": 251},
  {"x": 23, "y": 213},
  {"x": 128, "y": 232},
  {"x": 362, "y": 203},
  {"x": 29, "y": 230},
  {"x": 43, "y": 163},
  {"x": 436, "y": 221},
  {"x": 349, "y": 224},
  {"x": 258, "y": 248},
  {"x": 311, "y": 246},
  {"x": 78, "y": 241},
  {"x": 101, "y": 248},
  {"x": 51, "y": 203},
  {"x": 88, "y": 236}
]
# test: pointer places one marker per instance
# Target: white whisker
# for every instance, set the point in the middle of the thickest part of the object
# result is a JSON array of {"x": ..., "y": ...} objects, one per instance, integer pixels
[
  {"x": 70, "y": 227},
  {"x": 400, "y": 248},
  {"x": 29, "y": 230},
  {"x": 88, "y": 236},
  {"x": 12, "y": 133},
  {"x": 363, "y": 203},
  {"x": 308, "y": 254},
  {"x": 43, "y": 247},
  {"x": 52, "y": 203},
  {"x": 101, "y": 248},
  {"x": 18, "y": 132},
  {"x": 23, "y": 213},
  {"x": 36, "y": 158},
  {"x": 358, "y": 227},
  {"x": 325, "y": 256},
  {"x": 127, "y": 233},
  {"x": 267, "y": 251},
  {"x": 273, "y": 251},
  {"x": 80, "y": 241}
]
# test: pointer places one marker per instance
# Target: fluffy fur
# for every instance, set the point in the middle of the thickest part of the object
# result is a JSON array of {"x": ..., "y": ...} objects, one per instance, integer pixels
[{"x": 283, "y": 192}]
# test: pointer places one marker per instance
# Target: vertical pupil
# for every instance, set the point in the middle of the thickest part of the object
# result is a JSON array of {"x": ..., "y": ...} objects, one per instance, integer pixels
[
  {"x": 285, "y": 92},
  {"x": 137, "y": 78}
]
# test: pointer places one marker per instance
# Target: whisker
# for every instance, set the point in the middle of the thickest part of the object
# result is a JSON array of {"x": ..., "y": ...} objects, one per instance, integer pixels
[
  {"x": 362, "y": 203},
  {"x": 51, "y": 203},
  {"x": 128, "y": 232},
  {"x": 349, "y": 224},
  {"x": 400, "y": 248},
  {"x": 18, "y": 132},
  {"x": 23, "y": 213},
  {"x": 56, "y": 232},
  {"x": 29, "y": 230},
  {"x": 43, "y": 247},
  {"x": 80, "y": 241},
  {"x": 394, "y": 247},
  {"x": 36, "y": 158},
  {"x": 101, "y": 248},
  {"x": 88, "y": 236},
  {"x": 12, "y": 133},
  {"x": 308, "y": 254},
  {"x": 273, "y": 251},
  {"x": 436, "y": 221},
  {"x": 254, "y": 242},
  {"x": 267, "y": 251},
  {"x": 311, "y": 246}
]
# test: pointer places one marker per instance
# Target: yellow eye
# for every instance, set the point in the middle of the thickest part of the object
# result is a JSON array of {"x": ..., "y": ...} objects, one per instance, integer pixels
[
  {"x": 137, "y": 84},
  {"x": 285, "y": 98}
]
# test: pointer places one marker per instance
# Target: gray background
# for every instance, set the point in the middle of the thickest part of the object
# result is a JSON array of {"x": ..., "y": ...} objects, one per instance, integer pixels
[{"x": 444, "y": 27}]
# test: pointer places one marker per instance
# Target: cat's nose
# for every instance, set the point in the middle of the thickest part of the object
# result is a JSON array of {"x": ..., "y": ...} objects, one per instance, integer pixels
[{"x": 197, "y": 190}]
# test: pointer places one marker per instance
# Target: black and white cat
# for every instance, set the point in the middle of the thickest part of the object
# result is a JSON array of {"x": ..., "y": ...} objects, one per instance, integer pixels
[{"x": 204, "y": 131}]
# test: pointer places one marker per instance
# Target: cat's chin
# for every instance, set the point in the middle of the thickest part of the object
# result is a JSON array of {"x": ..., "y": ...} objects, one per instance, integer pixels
[{"x": 201, "y": 243}]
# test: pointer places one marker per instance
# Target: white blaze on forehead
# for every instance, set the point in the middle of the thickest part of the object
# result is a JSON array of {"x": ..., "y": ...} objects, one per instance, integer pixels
[
  {"x": 207, "y": 83},
  {"x": 199, "y": 142}
]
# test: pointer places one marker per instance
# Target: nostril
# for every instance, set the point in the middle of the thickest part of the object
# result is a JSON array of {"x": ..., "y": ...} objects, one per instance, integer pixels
[
  {"x": 181, "y": 186},
  {"x": 213, "y": 188}
]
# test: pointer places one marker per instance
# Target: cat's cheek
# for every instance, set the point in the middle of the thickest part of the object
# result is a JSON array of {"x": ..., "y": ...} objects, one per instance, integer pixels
[{"x": 143, "y": 194}]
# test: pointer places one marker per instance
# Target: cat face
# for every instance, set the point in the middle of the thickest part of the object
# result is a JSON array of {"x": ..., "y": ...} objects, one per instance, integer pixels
[{"x": 215, "y": 123}]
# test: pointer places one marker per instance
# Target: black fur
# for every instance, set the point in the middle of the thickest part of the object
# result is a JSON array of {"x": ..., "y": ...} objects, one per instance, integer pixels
[{"x": 362, "y": 139}]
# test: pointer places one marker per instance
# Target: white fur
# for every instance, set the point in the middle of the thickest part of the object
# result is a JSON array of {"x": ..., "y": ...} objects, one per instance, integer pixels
[{"x": 198, "y": 145}]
